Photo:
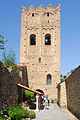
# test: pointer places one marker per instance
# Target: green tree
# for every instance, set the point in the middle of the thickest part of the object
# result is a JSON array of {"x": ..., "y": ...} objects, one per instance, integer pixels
[
  {"x": 62, "y": 79},
  {"x": 29, "y": 96},
  {"x": 9, "y": 58},
  {"x": 2, "y": 42}
]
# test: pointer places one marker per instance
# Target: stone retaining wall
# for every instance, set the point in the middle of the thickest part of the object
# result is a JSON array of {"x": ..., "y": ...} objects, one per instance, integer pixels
[
  {"x": 62, "y": 100},
  {"x": 69, "y": 93},
  {"x": 8, "y": 83},
  {"x": 73, "y": 92},
  {"x": 8, "y": 87}
]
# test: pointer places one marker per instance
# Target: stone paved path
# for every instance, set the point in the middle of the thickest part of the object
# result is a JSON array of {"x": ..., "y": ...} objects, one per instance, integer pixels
[{"x": 54, "y": 113}]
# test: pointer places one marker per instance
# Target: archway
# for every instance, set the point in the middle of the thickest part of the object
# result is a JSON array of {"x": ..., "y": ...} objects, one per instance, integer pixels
[
  {"x": 40, "y": 100},
  {"x": 39, "y": 90}
]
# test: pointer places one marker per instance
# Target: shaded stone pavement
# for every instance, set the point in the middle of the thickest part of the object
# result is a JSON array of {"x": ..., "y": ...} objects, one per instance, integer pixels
[{"x": 54, "y": 113}]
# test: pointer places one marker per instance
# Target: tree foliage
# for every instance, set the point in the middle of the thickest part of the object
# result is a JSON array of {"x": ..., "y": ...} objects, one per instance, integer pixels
[
  {"x": 2, "y": 42},
  {"x": 29, "y": 95},
  {"x": 9, "y": 58},
  {"x": 62, "y": 79}
]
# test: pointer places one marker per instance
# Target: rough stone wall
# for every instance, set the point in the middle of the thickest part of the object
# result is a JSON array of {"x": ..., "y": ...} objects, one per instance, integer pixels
[
  {"x": 21, "y": 74},
  {"x": 40, "y": 24},
  {"x": 62, "y": 98},
  {"x": 8, "y": 83},
  {"x": 73, "y": 92}
]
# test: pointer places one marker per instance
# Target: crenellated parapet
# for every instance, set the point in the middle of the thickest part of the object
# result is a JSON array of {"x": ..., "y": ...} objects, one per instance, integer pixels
[
  {"x": 41, "y": 8},
  {"x": 33, "y": 18}
]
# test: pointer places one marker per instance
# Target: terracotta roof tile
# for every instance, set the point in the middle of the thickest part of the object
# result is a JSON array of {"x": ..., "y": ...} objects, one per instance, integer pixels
[
  {"x": 21, "y": 65},
  {"x": 27, "y": 88}
]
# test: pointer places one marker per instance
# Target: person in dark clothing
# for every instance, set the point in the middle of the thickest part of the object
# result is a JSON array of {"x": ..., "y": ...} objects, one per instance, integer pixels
[
  {"x": 47, "y": 99},
  {"x": 48, "y": 102}
]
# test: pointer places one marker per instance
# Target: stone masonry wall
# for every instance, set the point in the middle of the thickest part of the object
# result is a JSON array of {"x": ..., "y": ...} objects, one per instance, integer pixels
[
  {"x": 40, "y": 24},
  {"x": 8, "y": 87},
  {"x": 8, "y": 83},
  {"x": 73, "y": 92},
  {"x": 62, "y": 98}
]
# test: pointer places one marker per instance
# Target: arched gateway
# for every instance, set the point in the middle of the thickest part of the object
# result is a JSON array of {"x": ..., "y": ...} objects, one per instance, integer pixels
[{"x": 40, "y": 91}]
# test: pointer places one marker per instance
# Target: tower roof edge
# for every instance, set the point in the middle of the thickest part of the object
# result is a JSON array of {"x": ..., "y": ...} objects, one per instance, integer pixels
[
  {"x": 58, "y": 6},
  {"x": 23, "y": 7},
  {"x": 50, "y": 6},
  {"x": 41, "y": 5},
  {"x": 31, "y": 8}
]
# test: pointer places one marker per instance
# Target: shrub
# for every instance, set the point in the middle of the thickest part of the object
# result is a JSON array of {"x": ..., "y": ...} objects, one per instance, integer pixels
[
  {"x": 62, "y": 80},
  {"x": 52, "y": 101},
  {"x": 17, "y": 112},
  {"x": 29, "y": 96},
  {"x": 55, "y": 102},
  {"x": 2, "y": 118},
  {"x": 31, "y": 114}
]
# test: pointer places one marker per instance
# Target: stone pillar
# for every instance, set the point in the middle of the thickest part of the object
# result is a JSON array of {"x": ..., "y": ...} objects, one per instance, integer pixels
[{"x": 37, "y": 102}]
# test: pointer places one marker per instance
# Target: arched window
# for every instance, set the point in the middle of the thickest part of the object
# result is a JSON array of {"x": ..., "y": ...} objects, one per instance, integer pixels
[
  {"x": 49, "y": 79},
  {"x": 32, "y": 39},
  {"x": 47, "y": 39}
]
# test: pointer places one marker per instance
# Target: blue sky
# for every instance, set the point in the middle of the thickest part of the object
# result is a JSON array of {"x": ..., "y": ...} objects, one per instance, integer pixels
[{"x": 10, "y": 28}]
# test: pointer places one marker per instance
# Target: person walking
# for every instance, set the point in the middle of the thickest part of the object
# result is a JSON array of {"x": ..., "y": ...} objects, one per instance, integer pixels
[
  {"x": 48, "y": 99},
  {"x": 46, "y": 103}
]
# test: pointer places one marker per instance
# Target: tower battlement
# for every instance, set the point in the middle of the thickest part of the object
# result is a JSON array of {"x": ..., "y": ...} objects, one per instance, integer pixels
[{"x": 41, "y": 8}]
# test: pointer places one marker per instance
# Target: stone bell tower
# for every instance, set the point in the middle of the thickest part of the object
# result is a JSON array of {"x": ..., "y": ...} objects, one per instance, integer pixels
[{"x": 40, "y": 47}]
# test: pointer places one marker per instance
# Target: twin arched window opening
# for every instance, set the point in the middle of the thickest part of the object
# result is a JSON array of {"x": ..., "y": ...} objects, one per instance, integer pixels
[
  {"x": 49, "y": 79},
  {"x": 33, "y": 39}
]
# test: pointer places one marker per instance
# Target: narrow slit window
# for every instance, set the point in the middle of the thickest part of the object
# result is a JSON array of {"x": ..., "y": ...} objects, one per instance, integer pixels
[
  {"x": 47, "y": 14},
  {"x": 39, "y": 60},
  {"x": 32, "y": 14}
]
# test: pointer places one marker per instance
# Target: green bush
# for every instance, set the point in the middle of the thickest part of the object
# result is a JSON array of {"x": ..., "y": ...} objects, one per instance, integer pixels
[
  {"x": 17, "y": 112},
  {"x": 2, "y": 118},
  {"x": 55, "y": 102},
  {"x": 1, "y": 114},
  {"x": 31, "y": 114},
  {"x": 29, "y": 96},
  {"x": 20, "y": 113},
  {"x": 52, "y": 101},
  {"x": 62, "y": 80}
]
